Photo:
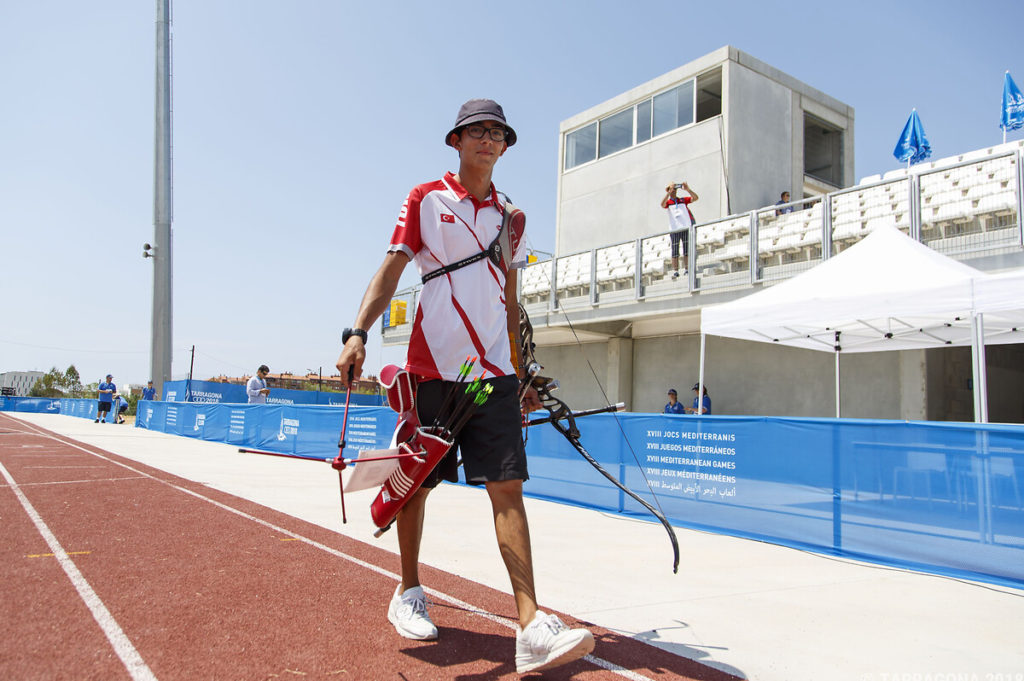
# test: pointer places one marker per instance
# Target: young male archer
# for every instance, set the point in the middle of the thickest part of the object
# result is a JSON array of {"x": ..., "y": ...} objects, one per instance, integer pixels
[{"x": 466, "y": 310}]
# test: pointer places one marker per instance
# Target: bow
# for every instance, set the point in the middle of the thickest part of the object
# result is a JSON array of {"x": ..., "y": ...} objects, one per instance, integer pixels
[{"x": 563, "y": 419}]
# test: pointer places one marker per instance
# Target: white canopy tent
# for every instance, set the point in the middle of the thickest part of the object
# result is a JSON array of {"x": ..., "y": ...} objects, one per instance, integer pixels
[{"x": 887, "y": 292}]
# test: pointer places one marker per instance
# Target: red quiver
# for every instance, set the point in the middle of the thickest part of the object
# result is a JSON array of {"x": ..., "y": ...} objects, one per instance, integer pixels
[
  {"x": 409, "y": 474},
  {"x": 411, "y": 439}
]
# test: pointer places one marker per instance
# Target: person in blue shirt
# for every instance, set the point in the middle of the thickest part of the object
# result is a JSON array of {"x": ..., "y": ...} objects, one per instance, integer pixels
[
  {"x": 673, "y": 406},
  {"x": 704, "y": 408},
  {"x": 120, "y": 407},
  {"x": 784, "y": 199},
  {"x": 106, "y": 396},
  {"x": 149, "y": 392}
]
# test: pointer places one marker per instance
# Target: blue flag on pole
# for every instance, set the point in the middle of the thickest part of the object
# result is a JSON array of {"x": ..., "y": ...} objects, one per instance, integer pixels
[
  {"x": 1013, "y": 105},
  {"x": 913, "y": 145}
]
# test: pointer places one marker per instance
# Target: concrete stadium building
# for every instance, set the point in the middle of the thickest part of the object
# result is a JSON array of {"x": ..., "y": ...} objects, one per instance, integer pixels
[
  {"x": 737, "y": 130},
  {"x": 19, "y": 383}
]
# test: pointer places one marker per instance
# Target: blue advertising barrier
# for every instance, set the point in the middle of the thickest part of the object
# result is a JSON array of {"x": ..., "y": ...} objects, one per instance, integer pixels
[
  {"x": 81, "y": 408},
  {"x": 939, "y": 497},
  {"x": 309, "y": 431},
  {"x": 232, "y": 393},
  {"x": 37, "y": 405}
]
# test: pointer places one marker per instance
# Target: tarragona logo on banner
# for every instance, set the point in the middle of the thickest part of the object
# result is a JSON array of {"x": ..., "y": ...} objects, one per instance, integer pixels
[{"x": 288, "y": 427}]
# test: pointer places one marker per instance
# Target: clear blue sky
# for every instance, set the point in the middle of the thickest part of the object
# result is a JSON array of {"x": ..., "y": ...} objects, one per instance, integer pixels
[{"x": 300, "y": 126}]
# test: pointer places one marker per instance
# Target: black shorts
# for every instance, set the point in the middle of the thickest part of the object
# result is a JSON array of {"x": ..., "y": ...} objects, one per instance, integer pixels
[
  {"x": 677, "y": 236},
  {"x": 490, "y": 444},
  {"x": 104, "y": 408}
]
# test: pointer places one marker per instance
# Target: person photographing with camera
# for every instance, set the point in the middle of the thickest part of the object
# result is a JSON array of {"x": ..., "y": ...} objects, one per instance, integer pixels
[{"x": 680, "y": 219}]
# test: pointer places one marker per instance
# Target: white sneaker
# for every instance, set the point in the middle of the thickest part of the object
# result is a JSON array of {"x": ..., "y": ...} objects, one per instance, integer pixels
[
  {"x": 675, "y": 275},
  {"x": 547, "y": 642},
  {"x": 408, "y": 612}
]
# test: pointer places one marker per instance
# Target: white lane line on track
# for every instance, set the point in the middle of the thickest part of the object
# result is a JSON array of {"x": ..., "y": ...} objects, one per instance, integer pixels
[
  {"x": 79, "y": 482},
  {"x": 600, "y": 662},
  {"x": 133, "y": 662},
  {"x": 58, "y": 468}
]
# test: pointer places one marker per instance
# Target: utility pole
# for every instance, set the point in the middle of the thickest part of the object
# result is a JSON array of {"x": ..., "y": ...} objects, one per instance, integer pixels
[
  {"x": 188, "y": 386},
  {"x": 160, "y": 357}
]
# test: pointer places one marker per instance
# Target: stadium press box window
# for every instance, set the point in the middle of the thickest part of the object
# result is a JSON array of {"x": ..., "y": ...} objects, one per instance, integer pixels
[{"x": 690, "y": 102}]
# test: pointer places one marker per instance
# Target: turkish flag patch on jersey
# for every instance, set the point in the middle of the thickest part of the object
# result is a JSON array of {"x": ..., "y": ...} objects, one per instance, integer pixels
[{"x": 445, "y": 217}]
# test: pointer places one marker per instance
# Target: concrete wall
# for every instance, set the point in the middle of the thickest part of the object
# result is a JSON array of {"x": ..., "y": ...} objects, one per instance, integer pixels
[
  {"x": 760, "y": 135},
  {"x": 618, "y": 198},
  {"x": 568, "y": 364},
  {"x": 746, "y": 378},
  {"x": 743, "y": 378}
]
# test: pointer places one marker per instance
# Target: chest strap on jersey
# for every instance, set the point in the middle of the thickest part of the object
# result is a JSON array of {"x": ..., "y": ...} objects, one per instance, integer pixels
[
  {"x": 459, "y": 264},
  {"x": 493, "y": 252}
]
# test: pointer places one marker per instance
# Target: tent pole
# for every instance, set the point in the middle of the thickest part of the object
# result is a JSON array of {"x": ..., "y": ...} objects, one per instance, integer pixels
[
  {"x": 975, "y": 379},
  {"x": 982, "y": 370},
  {"x": 700, "y": 375},
  {"x": 839, "y": 411}
]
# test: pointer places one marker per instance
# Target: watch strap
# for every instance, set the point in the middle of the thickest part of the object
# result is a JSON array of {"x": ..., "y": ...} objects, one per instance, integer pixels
[{"x": 348, "y": 333}]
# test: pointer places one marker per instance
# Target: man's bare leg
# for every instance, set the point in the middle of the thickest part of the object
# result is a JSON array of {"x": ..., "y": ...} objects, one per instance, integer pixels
[
  {"x": 410, "y": 533},
  {"x": 407, "y": 610},
  {"x": 513, "y": 534}
]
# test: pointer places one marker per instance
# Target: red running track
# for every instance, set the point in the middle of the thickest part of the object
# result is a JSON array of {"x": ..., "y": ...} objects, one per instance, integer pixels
[{"x": 115, "y": 570}]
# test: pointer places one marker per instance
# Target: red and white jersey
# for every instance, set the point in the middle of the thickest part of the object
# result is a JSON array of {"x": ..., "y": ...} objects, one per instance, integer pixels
[
  {"x": 462, "y": 313},
  {"x": 679, "y": 215}
]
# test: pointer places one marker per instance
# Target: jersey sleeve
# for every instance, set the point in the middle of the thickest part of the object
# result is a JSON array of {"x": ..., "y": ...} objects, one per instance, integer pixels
[{"x": 406, "y": 237}]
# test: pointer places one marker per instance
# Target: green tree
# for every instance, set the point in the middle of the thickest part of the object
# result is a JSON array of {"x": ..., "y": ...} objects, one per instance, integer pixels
[
  {"x": 72, "y": 383},
  {"x": 49, "y": 385},
  {"x": 55, "y": 383}
]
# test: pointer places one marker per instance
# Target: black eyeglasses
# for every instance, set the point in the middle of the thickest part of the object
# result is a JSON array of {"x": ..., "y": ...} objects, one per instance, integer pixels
[{"x": 498, "y": 134}]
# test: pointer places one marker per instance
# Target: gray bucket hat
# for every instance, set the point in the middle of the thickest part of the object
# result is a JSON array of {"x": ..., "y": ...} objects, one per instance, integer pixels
[{"x": 476, "y": 110}]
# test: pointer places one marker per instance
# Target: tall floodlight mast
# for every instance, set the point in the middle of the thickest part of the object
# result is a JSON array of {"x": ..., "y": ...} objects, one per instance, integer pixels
[{"x": 160, "y": 359}]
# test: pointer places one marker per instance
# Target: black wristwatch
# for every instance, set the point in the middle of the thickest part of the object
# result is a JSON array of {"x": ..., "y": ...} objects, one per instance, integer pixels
[{"x": 348, "y": 333}]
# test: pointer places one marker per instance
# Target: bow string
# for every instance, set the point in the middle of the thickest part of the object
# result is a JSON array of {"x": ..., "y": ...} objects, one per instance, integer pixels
[{"x": 563, "y": 419}]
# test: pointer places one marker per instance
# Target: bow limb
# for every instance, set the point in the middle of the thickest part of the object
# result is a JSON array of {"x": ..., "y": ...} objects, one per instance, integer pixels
[
  {"x": 567, "y": 427},
  {"x": 562, "y": 418}
]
